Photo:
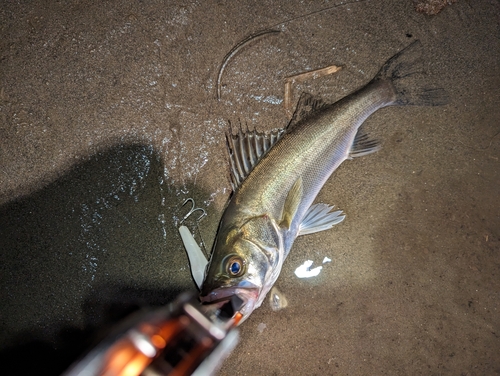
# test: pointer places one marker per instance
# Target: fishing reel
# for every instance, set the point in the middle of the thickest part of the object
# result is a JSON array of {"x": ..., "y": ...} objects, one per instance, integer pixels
[{"x": 184, "y": 338}]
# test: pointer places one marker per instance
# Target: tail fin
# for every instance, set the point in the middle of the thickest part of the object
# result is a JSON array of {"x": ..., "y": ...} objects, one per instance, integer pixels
[{"x": 405, "y": 70}]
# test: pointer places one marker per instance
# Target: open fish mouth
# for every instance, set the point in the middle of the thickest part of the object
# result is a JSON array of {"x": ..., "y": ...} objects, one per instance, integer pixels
[
  {"x": 224, "y": 294},
  {"x": 248, "y": 300},
  {"x": 217, "y": 298}
]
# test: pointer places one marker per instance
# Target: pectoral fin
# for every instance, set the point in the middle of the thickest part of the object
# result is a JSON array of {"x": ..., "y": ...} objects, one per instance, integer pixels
[
  {"x": 292, "y": 203},
  {"x": 319, "y": 217}
]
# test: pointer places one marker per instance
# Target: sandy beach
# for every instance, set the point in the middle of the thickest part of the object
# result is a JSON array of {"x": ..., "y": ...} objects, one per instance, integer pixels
[{"x": 110, "y": 121}]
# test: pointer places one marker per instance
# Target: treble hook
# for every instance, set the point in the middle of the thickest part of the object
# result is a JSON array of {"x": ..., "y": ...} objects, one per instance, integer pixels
[
  {"x": 203, "y": 214},
  {"x": 193, "y": 209}
]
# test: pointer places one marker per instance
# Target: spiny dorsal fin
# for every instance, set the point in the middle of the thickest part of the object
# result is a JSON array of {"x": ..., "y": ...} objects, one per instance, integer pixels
[
  {"x": 292, "y": 203},
  {"x": 307, "y": 106},
  {"x": 246, "y": 149},
  {"x": 363, "y": 145}
]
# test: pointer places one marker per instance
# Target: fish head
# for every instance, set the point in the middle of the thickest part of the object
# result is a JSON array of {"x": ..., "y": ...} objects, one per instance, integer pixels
[{"x": 240, "y": 265}]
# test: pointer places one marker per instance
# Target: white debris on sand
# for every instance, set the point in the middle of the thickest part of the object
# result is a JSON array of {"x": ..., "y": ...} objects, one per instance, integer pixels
[{"x": 305, "y": 271}]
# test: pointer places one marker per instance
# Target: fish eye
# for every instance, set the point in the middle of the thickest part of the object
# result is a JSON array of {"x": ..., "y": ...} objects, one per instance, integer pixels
[{"x": 235, "y": 266}]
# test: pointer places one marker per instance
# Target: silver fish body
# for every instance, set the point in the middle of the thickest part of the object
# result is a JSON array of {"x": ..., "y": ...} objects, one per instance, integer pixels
[{"x": 266, "y": 211}]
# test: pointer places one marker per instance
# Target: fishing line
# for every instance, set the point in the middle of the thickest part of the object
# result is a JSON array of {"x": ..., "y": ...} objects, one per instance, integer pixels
[
  {"x": 319, "y": 11},
  {"x": 268, "y": 31}
]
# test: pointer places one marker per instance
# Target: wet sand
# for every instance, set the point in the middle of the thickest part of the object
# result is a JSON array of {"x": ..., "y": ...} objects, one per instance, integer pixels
[{"x": 109, "y": 122}]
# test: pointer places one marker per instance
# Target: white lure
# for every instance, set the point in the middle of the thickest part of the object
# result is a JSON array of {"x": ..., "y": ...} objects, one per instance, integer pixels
[{"x": 197, "y": 260}]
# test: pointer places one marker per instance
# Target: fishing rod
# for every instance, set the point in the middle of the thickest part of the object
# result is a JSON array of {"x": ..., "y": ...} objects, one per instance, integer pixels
[{"x": 183, "y": 338}]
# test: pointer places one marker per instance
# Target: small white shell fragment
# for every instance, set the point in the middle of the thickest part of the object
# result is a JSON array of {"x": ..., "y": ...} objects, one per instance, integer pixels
[
  {"x": 197, "y": 259},
  {"x": 261, "y": 327},
  {"x": 305, "y": 271},
  {"x": 326, "y": 259}
]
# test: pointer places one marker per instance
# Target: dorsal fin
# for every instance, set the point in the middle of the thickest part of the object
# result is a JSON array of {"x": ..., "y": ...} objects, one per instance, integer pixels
[
  {"x": 363, "y": 145},
  {"x": 307, "y": 106},
  {"x": 246, "y": 149}
]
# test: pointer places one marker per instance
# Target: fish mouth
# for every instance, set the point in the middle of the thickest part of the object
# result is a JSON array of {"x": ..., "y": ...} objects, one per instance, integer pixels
[{"x": 223, "y": 294}]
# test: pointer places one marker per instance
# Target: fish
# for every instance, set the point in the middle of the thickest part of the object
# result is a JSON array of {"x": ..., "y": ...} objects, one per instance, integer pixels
[{"x": 276, "y": 177}]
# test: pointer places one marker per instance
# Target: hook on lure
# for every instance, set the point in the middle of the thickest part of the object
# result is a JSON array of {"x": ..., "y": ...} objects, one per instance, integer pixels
[
  {"x": 197, "y": 259},
  {"x": 192, "y": 210}
]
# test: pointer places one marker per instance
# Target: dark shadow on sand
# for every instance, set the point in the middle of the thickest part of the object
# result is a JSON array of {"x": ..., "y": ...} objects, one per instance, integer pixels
[{"x": 82, "y": 253}]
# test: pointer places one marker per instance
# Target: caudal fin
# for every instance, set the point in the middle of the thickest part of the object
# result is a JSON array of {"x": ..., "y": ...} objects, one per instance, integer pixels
[{"x": 405, "y": 70}]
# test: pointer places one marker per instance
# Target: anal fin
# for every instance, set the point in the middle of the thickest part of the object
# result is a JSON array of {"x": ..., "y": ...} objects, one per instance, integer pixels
[
  {"x": 363, "y": 145},
  {"x": 319, "y": 217}
]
